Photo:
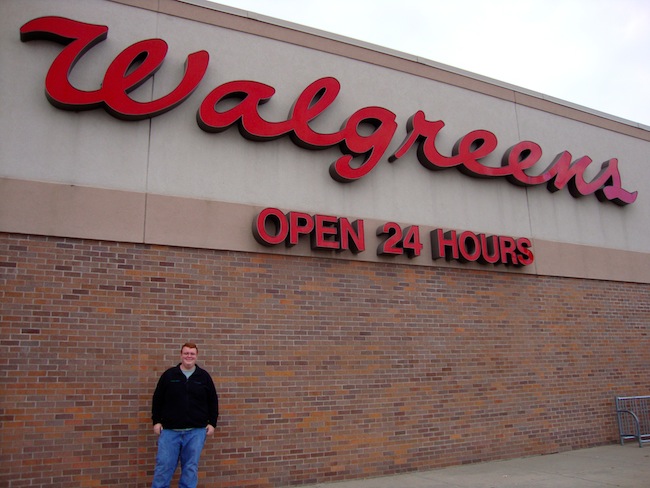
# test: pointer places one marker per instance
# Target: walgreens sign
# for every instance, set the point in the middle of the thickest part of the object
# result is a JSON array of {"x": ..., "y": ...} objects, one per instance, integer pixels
[{"x": 360, "y": 151}]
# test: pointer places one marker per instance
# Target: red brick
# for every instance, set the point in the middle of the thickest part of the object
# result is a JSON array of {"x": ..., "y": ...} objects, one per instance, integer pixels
[{"x": 326, "y": 369}]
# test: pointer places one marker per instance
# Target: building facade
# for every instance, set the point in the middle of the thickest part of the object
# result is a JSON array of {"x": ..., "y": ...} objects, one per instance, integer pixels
[{"x": 389, "y": 265}]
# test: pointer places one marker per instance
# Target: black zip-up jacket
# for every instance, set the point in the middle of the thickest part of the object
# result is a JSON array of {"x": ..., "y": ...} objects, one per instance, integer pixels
[{"x": 182, "y": 403}]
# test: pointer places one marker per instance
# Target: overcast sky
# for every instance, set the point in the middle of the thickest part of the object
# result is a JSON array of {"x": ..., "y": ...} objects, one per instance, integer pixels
[{"x": 594, "y": 53}]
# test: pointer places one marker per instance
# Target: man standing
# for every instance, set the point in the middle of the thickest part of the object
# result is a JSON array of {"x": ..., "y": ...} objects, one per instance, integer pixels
[{"x": 184, "y": 411}]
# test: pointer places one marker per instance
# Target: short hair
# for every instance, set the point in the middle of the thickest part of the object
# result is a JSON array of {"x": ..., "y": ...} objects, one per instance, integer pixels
[{"x": 191, "y": 345}]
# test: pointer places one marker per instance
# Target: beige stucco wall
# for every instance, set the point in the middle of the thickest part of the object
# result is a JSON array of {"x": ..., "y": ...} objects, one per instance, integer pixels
[{"x": 166, "y": 181}]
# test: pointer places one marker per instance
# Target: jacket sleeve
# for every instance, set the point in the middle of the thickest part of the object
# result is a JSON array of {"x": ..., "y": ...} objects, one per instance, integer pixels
[
  {"x": 213, "y": 403},
  {"x": 158, "y": 400}
]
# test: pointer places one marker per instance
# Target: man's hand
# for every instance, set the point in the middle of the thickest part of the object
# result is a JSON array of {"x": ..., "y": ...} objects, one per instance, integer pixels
[
  {"x": 209, "y": 430},
  {"x": 157, "y": 429}
]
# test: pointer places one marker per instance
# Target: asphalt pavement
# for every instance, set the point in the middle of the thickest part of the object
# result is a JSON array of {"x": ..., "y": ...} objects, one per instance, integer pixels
[{"x": 609, "y": 466}]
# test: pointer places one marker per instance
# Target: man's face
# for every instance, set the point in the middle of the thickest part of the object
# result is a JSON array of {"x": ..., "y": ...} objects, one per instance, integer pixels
[{"x": 188, "y": 357}]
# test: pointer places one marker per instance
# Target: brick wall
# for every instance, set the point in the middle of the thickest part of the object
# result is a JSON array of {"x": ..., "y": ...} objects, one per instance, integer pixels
[{"x": 326, "y": 369}]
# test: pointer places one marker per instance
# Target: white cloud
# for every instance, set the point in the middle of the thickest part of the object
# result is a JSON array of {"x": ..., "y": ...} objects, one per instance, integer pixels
[{"x": 589, "y": 52}]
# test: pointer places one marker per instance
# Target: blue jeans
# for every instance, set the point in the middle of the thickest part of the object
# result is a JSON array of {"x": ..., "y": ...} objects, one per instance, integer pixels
[{"x": 174, "y": 446}]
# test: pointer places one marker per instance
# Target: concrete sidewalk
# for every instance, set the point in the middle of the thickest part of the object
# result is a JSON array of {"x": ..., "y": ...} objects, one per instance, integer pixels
[{"x": 606, "y": 466}]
